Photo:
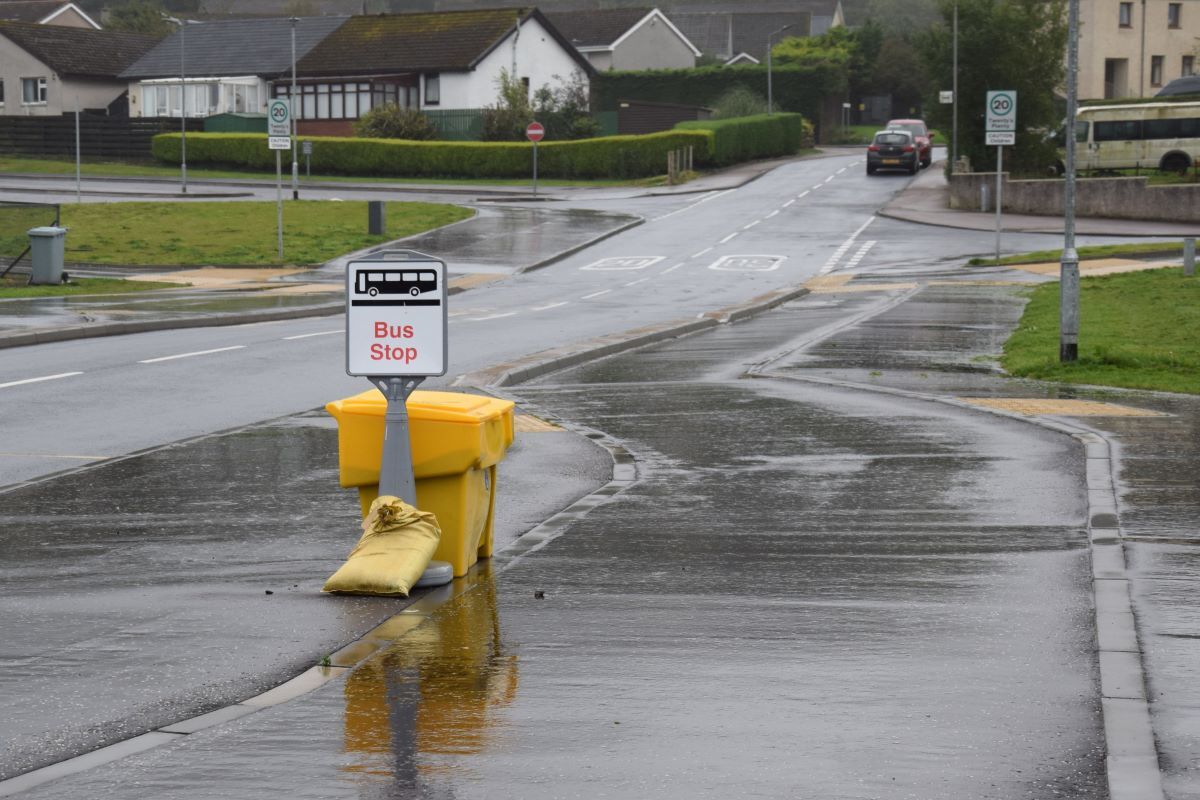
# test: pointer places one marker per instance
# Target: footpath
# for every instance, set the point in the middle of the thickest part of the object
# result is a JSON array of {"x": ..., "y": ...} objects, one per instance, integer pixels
[{"x": 632, "y": 644}]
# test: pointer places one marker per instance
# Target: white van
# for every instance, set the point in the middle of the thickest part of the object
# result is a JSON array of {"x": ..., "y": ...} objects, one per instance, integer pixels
[{"x": 1163, "y": 136}]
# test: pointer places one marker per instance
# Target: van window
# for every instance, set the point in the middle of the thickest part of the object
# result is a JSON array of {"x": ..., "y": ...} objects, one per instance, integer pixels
[{"x": 1118, "y": 130}]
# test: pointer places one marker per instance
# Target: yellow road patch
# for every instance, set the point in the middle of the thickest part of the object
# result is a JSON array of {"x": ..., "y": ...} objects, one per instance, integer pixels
[
  {"x": 527, "y": 423},
  {"x": 1061, "y": 408},
  {"x": 1098, "y": 266}
]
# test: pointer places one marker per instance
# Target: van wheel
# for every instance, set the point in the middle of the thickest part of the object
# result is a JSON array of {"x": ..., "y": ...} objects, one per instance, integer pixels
[
  {"x": 1175, "y": 162},
  {"x": 373, "y": 292},
  {"x": 414, "y": 291}
]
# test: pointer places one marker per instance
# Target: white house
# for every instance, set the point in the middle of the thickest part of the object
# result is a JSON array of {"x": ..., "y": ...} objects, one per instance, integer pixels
[{"x": 47, "y": 12}]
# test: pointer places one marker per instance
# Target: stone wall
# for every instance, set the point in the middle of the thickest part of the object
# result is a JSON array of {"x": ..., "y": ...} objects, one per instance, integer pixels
[{"x": 1114, "y": 198}]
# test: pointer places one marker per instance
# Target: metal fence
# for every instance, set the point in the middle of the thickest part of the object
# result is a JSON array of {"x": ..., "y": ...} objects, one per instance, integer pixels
[
  {"x": 15, "y": 221},
  {"x": 99, "y": 137},
  {"x": 457, "y": 125}
]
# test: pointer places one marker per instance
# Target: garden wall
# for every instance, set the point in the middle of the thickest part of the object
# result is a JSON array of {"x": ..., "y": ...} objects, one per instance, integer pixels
[{"x": 1116, "y": 198}]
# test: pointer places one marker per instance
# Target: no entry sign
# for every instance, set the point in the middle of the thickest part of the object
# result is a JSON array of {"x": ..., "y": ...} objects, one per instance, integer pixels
[
  {"x": 396, "y": 317},
  {"x": 535, "y": 132}
]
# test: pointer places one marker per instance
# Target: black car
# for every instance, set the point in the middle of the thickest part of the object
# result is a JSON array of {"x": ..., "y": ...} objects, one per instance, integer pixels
[{"x": 894, "y": 149}]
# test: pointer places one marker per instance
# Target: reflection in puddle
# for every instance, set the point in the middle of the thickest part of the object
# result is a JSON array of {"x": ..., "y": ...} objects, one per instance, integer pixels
[{"x": 435, "y": 692}]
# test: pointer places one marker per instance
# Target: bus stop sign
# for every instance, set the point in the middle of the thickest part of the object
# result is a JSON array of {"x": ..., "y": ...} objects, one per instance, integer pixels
[{"x": 396, "y": 316}]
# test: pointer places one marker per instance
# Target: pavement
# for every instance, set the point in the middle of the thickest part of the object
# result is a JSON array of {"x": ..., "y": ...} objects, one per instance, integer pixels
[{"x": 892, "y": 594}]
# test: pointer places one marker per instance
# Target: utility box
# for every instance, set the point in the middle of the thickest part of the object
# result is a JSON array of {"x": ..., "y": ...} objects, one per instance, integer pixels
[
  {"x": 376, "y": 222},
  {"x": 46, "y": 249},
  {"x": 457, "y": 441}
]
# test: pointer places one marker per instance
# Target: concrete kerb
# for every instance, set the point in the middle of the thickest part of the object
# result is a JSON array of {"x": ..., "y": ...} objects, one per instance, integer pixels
[{"x": 1132, "y": 756}]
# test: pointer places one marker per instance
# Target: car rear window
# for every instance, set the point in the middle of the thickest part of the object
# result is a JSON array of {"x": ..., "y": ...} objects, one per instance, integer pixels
[
  {"x": 915, "y": 128},
  {"x": 891, "y": 138}
]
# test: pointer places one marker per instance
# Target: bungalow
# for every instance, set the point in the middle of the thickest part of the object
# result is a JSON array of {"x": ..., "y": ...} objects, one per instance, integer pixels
[
  {"x": 626, "y": 38},
  {"x": 432, "y": 61},
  {"x": 46, "y": 70},
  {"x": 47, "y": 12},
  {"x": 226, "y": 65}
]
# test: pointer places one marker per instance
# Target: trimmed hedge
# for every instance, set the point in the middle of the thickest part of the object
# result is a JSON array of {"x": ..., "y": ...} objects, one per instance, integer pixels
[
  {"x": 607, "y": 157},
  {"x": 797, "y": 88},
  {"x": 760, "y": 136}
]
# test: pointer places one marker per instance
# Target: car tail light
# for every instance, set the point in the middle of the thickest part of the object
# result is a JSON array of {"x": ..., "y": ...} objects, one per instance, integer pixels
[
  {"x": 874, "y": 148},
  {"x": 908, "y": 148}
]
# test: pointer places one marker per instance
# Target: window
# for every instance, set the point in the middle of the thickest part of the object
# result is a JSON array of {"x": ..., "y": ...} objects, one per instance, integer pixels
[
  {"x": 1173, "y": 12},
  {"x": 1188, "y": 68},
  {"x": 1126, "y": 15},
  {"x": 33, "y": 91},
  {"x": 1156, "y": 70},
  {"x": 1, "y": 92},
  {"x": 433, "y": 89},
  {"x": 1118, "y": 131}
]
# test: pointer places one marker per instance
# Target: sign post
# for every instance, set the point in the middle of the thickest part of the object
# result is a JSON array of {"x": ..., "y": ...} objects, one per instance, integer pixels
[
  {"x": 1001, "y": 130},
  {"x": 396, "y": 336},
  {"x": 535, "y": 133},
  {"x": 279, "y": 138}
]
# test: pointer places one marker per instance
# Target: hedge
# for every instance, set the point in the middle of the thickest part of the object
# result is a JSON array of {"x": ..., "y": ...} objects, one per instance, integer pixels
[
  {"x": 801, "y": 89},
  {"x": 606, "y": 157},
  {"x": 761, "y": 136}
]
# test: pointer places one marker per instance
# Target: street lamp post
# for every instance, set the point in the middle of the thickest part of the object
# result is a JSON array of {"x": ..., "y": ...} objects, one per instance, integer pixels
[
  {"x": 1068, "y": 341},
  {"x": 770, "y": 95},
  {"x": 954, "y": 90},
  {"x": 182, "y": 100},
  {"x": 295, "y": 128}
]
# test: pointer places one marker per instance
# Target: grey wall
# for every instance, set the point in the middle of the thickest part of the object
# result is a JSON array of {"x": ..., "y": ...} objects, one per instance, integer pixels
[
  {"x": 653, "y": 46},
  {"x": 1115, "y": 198}
]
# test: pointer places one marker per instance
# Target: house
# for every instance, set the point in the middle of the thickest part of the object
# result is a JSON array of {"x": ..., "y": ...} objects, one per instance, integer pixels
[
  {"x": 1133, "y": 49},
  {"x": 46, "y": 70},
  {"x": 432, "y": 61},
  {"x": 724, "y": 35},
  {"x": 228, "y": 66},
  {"x": 47, "y": 12},
  {"x": 741, "y": 58},
  {"x": 626, "y": 39}
]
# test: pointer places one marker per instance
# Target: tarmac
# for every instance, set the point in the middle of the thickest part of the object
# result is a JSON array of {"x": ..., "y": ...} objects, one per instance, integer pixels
[{"x": 1139, "y": 486}]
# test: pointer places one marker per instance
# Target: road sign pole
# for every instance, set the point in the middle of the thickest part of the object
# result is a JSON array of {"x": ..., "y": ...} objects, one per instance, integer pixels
[
  {"x": 279, "y": 201},
  {"x": 999, "y": 184},
  {"x": 535, "y": 169},
  {"x": 396, "y": 476}
]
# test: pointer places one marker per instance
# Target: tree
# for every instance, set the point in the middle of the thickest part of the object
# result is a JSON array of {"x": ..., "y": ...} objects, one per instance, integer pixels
[
  {"x": 563, "y": 111},
  {"x": 1002, "y": 44},
  {"x": 390, "y": 121},
  {"x": 900, "y": 72},
  {"x": 139, "y": 16}
]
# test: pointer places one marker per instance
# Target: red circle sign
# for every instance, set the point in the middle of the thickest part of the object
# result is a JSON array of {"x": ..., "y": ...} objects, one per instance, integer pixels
[{"x": 535, "y": 132}]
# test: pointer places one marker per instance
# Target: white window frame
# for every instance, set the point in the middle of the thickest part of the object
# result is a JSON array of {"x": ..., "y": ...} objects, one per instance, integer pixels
[
  {"x": 41, "y": 88},
  {"x": 436, "y": 79}
]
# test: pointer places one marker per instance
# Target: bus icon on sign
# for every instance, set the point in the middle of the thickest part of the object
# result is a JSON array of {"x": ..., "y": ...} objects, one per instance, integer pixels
[{"x": 374, "y": 282}]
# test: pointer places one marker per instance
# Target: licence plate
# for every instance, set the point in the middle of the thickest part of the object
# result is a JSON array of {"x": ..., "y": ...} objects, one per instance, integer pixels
[{"x": 891, "y": 161}]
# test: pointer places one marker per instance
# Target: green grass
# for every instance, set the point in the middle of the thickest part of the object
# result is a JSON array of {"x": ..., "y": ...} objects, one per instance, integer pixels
[
  {"x": 119, "y": 169},
  {"x": 235, "y": 233},
  {"x": 1137, "y": 330},
  {"x": 1163, "y": 249},
  {"x": 15, "y": 286}
]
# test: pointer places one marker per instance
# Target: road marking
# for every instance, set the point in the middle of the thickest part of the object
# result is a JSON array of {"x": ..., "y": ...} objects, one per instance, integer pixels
[
  {"x": 818, "y": 186},
  {"x": 702, "y": 252},
  {"x": 840, "y": 171},
  {"x": 789, "y": 202},
  {"x": 639, "y": 280},
  {"x": 727, "y": 238},
  {"x": 552, "y": 305},
  {"x": 831, "y": 264},
  {"x": 751, "y": 225},
  {"x": 677, "y": 266},
  {"x": 595, "y": 294},
  {"x": 197, "y": 353},
  {"x": 39, "y": 380},
  {"x": 773, "y": 213},
  {"x": 802, "y": 195},
  {"x": 862, "y": 251},
  {"x": 53, "y": 455},
  {"x": 309, "y": 335},
  {"x": 492, "y": 316},
  {"x": 624, "y": 262},
  {"x": 753, "y": 263},
  {"x": 705, "y": 199},
  {"x": 827, "y": 180}
]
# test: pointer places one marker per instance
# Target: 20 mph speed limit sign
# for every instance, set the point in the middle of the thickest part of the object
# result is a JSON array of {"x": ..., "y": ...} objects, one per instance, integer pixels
[
  {"x": 1001, "y": 112},
  {"x": 396, "y": 317}
]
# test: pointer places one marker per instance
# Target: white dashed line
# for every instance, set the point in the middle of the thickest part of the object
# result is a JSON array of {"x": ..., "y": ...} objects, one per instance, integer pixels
[
  {"x": 751, "y": 225},
  {"x": 492, "y": 316},
  {"x": 705, "y": 199},
  {"x": 595, "y": 294},
  {"x": 827, "y": 180},
  {"x": 39, "y": 380},
  {"x": 840, "y": 171},
  {"x": 677, "y": 266},
  {"x": 789, "y": 202},
  {"x": 727, "y": 238},
  {"x": 831, "y": 264},
  {"x": 552, "y": 305},
  {"x": 702, "y": 252},
  {"x": 197, "y": 353},
  {"x": 862, "y": 251},
  {"x": 310, "y": 335},
  {"x": 773, "y": 213},
  {"x": 635, "y": 283},
  {"x": 802, "y": 195}
]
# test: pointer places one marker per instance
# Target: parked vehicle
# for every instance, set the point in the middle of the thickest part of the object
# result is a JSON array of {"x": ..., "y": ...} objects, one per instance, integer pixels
[
  {"x": 920, "y": 132},
  {"x": 893, "y": 149},
  {"x": 1163, "y": 136},
  {"x": 1188, "y": 84}
]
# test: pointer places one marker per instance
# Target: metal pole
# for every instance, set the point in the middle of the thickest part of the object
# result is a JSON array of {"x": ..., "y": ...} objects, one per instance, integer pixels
[
  {"x": 295, "y": 123},
  {"x": 183, "y": 105},
  {"x": 770, "y": 95},
  {"x": 279, "y": 200},
  {"x": 999, "y": 175},
  {"x": 395, "y": 467},
  {"x": 78, "y": 170},
  {"x": 1068, "y": 277},
  {"x": 535, "y": 168},
  {"x": 954, "y": 89}
]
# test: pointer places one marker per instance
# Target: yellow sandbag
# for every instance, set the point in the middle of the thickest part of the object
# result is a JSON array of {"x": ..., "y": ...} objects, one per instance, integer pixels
[{"x": 397, "y": 544}]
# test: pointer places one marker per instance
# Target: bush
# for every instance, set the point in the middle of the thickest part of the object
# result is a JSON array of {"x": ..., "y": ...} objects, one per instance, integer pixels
[
  {"x": 390, "y": 121},
  {"x": 761, "y": 136},
  {"x": 606, "y": 157},
  {"x": 740, "y": 101}
]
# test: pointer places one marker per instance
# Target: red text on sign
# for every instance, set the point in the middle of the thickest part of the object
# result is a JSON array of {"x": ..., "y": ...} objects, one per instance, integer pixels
[{"x": 385, "y": 331}]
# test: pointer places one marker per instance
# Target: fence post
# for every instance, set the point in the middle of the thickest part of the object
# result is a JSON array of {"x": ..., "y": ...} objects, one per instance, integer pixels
[{"x": 1189, "y": 256}]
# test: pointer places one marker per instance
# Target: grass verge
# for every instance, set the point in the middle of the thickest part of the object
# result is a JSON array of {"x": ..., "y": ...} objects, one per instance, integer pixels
[
  {"x": 15, "y": 286},
  {"x": 1137, "y": 330},
  {"x": 1163, "y": 249},
  {"x": 236, "y": 233}
]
